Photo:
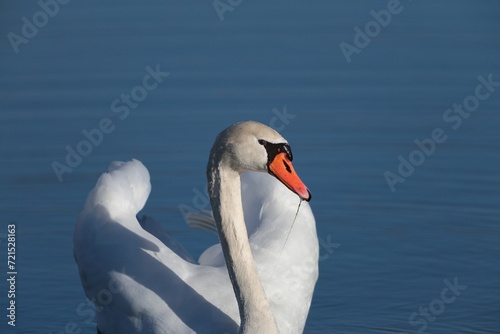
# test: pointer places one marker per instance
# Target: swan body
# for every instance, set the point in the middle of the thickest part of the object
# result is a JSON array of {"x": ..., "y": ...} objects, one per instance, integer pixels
[{"x": 142, "y": 281}]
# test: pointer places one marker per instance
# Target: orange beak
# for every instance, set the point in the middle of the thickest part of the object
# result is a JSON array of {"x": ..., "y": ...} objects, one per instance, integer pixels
[{"x": 281, "y": 167}]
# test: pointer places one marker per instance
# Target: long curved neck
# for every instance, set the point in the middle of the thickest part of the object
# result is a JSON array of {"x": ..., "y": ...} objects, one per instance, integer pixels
[{"x": 225, "y": 195}]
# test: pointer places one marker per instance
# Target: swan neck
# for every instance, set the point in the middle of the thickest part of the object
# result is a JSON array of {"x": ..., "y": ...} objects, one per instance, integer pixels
[{"x": 225, "y": 194}]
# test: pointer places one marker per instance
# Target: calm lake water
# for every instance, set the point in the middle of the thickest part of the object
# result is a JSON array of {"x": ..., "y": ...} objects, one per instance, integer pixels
[{"x": 386, "y": 256}]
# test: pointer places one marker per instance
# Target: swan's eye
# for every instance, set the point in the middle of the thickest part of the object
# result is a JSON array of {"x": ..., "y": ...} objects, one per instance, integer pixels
[{"x": 274, "y": 149}]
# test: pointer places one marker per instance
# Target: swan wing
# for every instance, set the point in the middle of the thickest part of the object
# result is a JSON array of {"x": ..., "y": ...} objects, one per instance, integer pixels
[
  {"x": 203, "y": 220},
  {"x": 136, "y": 282},
  {"x": 154, "y": 228}
]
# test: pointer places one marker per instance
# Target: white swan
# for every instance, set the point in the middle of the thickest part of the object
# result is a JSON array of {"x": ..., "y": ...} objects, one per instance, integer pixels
[{"x": 142, "y": 281}]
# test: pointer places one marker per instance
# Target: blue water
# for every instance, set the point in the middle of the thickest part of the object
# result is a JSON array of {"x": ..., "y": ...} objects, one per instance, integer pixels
[{"x": 385, "y": 255}]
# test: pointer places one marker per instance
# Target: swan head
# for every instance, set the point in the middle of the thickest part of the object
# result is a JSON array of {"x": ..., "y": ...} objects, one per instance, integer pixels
[{"x": 253, "y": 146}]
